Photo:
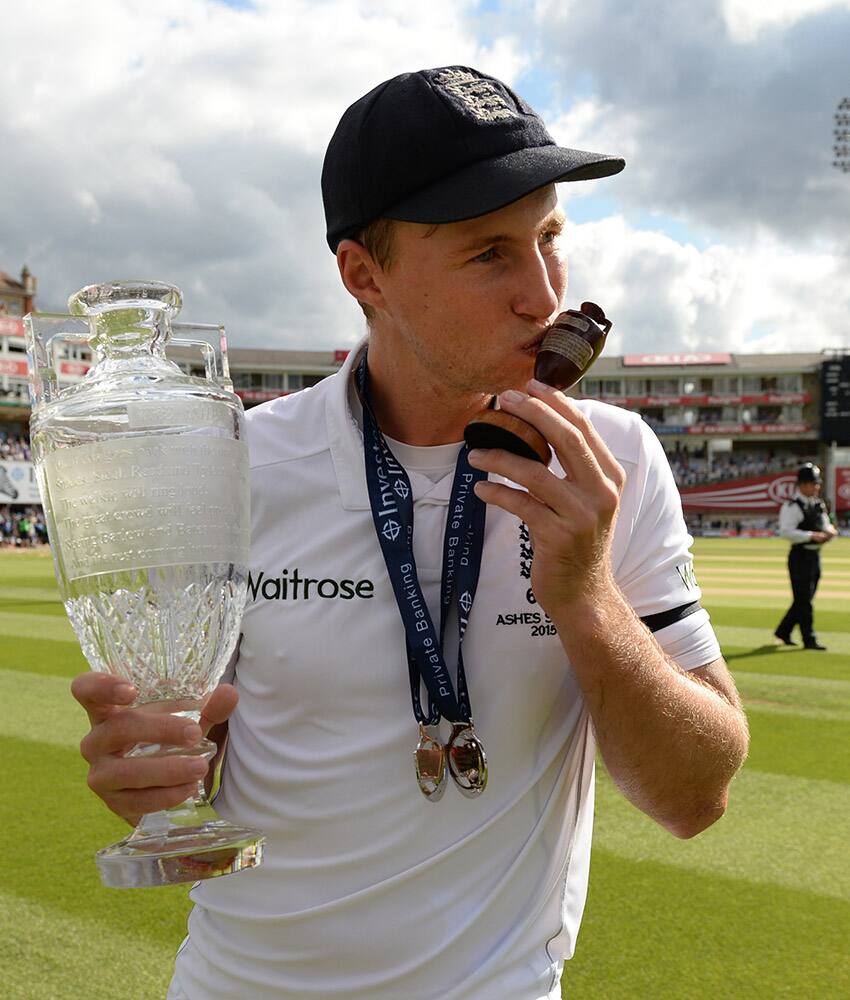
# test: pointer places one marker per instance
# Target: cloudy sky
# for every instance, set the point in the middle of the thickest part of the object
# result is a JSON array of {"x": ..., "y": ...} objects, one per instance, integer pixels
[{"x": 183, "y": 139}]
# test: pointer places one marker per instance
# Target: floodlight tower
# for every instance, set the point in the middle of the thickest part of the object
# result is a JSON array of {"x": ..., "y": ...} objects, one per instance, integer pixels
[
  {"x": 841, "y": 132},
  {"x": 835, "y": 370}
]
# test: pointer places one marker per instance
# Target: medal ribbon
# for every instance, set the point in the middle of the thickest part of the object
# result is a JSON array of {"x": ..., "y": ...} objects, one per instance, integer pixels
[{"x": 391, "y": 500}]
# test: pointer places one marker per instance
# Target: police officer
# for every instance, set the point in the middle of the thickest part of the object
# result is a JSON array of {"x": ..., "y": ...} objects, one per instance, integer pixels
[{"x": 804, "y": 522}]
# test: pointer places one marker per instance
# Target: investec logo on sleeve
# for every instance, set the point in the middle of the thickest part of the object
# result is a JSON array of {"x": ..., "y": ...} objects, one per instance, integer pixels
[{"x": 291, "y": 586}]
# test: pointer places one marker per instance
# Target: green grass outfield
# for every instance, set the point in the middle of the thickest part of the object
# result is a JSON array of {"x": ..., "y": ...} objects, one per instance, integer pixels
[{"x": 756, "y": 907}]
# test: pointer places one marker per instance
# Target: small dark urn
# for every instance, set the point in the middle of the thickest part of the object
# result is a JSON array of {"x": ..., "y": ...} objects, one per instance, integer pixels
[{"x": 571, "y": 345}]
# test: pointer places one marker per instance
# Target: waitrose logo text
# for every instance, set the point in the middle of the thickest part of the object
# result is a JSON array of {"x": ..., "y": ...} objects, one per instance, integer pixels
[{"x": 291, "y": 586}]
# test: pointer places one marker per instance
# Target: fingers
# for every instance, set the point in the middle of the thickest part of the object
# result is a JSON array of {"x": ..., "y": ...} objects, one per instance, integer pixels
[
  {"x": 132, "y": 786},
  {"x": 516, "y": 502},
  {"x": 572, "y": 413},
  {"x": 580, "y": 449},
  {"x": 102, "y": 695},
  {"x": 132, "y": 805},
  {"x": 546, "y": 517},
  {"x": 594, "y": 478},
  {"x": 542, "y": 484},
  {"x": 118, "y": 774},
  {"x": 125, "y": 729},
  {"x": 571, "y": 447}
]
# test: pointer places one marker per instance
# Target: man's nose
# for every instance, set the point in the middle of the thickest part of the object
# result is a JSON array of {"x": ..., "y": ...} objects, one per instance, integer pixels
[{"x": 535, "y": 296}]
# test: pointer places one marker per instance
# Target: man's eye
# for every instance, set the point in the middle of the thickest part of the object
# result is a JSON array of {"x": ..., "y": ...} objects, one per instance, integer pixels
[
  {"x": 486, "y": 256},
  {"x": 550, "y": 236}
]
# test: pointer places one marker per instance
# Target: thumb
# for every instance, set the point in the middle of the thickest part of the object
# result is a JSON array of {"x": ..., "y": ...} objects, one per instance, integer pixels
[{"x": 219, "y": 707}]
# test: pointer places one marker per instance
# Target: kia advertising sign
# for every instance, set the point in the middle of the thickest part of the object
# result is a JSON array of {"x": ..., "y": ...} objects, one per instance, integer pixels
[
  {"x": 842, "y": 489},
  {"x": 689, "y": 358},
  {"x": 752, "y": 495}
]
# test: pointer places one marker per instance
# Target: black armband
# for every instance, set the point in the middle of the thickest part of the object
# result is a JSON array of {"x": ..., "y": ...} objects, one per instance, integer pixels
[{"x": 664, "y": 618}]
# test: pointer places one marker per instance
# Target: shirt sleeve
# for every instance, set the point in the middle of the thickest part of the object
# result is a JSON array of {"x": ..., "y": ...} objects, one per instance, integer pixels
[
  {"x": 656, "y": 571},
  {"x": 790, "y": 516}
]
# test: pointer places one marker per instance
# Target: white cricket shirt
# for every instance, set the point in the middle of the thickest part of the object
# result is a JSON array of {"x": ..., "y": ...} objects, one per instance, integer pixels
[
  {"x": 791, "y": 516},
  {"x": 368, "y": 891}
]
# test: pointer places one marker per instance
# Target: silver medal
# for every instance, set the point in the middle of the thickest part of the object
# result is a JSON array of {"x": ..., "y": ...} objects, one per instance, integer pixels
[
  {"x": 467, "y": 760},
  {"x": 430, "y": 755}
]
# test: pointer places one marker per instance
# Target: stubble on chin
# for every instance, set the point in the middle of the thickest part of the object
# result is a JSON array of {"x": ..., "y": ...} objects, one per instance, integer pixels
[{"x": 491, "y": 384}]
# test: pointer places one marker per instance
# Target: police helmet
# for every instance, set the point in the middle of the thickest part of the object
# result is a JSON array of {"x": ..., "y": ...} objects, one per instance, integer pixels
[{"x": 808, "y": 473}]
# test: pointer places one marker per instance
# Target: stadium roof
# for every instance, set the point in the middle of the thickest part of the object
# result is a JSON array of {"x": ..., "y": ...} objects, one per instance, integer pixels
[
  {"x": 246, "y": 358},
  {"x": 810, "y": 361}
]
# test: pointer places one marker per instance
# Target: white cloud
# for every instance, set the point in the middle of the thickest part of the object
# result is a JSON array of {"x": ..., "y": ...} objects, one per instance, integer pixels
[
  {"x": 746, "y": 19},
  {"x": 662, "y": 295},
  {"x": 600, "y": 127},
  {"x": 183, "y": 140},
  {"x": 720, "y": 136}
]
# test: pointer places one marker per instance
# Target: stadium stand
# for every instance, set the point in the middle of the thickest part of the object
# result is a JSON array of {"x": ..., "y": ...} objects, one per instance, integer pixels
[
  {"x": 721, "y": 417},
  {"x": 691, "y": 468},
  {"x": 22, "y": 527},
  {"x": 14, "y": 447}
]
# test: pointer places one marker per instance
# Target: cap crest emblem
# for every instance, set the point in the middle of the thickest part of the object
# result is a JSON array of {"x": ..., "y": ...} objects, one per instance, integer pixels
[{"x": 480, "y": 97}]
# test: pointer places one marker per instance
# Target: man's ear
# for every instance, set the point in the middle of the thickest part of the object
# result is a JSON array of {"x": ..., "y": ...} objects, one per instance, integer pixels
[{"x": 360, "y": 274}]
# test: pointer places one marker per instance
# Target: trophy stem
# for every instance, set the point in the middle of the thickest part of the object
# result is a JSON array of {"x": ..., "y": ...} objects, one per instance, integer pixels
[{"x": 186, "y": 843}]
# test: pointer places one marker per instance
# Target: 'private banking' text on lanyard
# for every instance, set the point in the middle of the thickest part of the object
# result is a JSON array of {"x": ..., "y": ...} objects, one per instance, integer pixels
[{"x": 391, "y": 500}]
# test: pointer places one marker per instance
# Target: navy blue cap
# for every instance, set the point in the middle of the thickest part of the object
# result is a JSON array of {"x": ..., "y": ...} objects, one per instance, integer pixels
[
  {"x": 808, "y": 473},
  {"x": 442, "y": 145}
]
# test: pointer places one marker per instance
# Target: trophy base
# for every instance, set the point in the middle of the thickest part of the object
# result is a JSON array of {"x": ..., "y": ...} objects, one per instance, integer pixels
[
  {"x": 497, "y": 429},
  {"x": 179, "y": 854}
]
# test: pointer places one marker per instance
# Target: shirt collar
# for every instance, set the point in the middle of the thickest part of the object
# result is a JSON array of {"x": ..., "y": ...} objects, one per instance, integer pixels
[{"x": 345, "y": 437}]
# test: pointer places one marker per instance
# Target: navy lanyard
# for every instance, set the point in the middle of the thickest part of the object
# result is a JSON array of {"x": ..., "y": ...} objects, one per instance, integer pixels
[{"x": 391, "y": 500}]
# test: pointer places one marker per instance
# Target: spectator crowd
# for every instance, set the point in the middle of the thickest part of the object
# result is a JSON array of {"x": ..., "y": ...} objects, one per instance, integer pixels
[
  {"x": 22, "y": 527},
  {"x": 692, "y": 468},
  {"x": 14, "y": 448}
]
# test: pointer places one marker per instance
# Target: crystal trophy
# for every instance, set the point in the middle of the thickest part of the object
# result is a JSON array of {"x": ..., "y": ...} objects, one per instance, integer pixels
[{"x": 143, "y": 474}]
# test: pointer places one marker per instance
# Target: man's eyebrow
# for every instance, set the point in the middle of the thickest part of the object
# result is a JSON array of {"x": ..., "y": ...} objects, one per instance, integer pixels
[
  {"x": 484, "y": 238},
  {"x": 555, "y": 221}
]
